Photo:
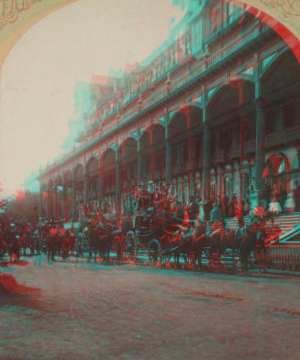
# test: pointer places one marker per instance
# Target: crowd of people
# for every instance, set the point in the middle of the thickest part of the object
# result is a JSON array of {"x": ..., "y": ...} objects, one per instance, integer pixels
[
  {"x": 274, "y": 200},
  {"x": 21, "y": 238},
  {"x": 156, "y": 199}
]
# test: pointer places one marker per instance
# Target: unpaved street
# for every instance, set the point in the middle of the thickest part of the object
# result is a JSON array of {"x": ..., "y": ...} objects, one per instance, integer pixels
[{"x": 94, "y": 311}]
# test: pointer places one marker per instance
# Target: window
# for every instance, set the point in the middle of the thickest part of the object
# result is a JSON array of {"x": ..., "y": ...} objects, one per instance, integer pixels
[
  {"x": 212, "y": 188},
  {"x": 230, "y": 11},
  {"x": 270, "y": 121},
  {"x": 185, "y": 152},
  {"x": 131, "y": 172},
  {"x": 228, "y": 187},
  {"x": 245, "y": 184},
  {"x": 146, "y": 167},
  {"x": 289, "y": 114},
  {"x": 197, "y": 153},
  {"x": 216, "y": 17},
  {"x": 174, "y": 158},
  {"x": 197, "y": 32}
]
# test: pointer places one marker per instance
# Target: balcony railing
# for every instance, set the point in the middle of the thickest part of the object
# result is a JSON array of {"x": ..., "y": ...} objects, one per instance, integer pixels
[
  {"x": 198, "y": 69},
  {"x": 293, "y": 133}
]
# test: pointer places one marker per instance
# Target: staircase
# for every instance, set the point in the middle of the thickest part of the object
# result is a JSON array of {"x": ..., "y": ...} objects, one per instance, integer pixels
[{"x": 274, "y": 227}]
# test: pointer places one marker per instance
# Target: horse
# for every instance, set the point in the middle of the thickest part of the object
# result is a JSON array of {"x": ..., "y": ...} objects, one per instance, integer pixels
[
  {"x": 211, "y": 240},
  {"x": 100, "y": 239},
  {"x": 52, "y": 243},
  {"x": 247, "y": 238}
]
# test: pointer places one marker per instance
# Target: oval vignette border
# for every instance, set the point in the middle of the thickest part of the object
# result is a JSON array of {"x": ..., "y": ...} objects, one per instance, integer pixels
[{"x": 21, "y": 15}]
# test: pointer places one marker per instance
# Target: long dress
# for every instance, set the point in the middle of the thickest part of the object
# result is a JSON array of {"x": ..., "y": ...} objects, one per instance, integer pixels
[
  {"x": 274, "y": 207},
  {"x": 290, "y": 203}
]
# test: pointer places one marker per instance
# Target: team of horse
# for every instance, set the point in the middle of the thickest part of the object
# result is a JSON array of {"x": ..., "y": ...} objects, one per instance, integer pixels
[
  {"x": 178, "y": 239},
  {"x": 163, "y": 236}
]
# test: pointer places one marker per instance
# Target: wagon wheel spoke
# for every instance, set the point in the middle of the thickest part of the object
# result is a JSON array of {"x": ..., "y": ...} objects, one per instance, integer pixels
[
  {"x": 154, "y": 249},
  {"x": 141, "y": 254}
]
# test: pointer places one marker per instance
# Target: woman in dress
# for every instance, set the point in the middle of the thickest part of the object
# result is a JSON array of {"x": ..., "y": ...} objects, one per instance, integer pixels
[
  {"x": 274, "y": 207},
  {"x": 290, "y": 203}
]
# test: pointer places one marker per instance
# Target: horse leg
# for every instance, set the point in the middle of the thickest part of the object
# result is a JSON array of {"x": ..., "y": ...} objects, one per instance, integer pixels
[
  {"x": 247, "y": 265},
  {"x": 244, "y": 262},
  {"x": 198, "y": 257}
]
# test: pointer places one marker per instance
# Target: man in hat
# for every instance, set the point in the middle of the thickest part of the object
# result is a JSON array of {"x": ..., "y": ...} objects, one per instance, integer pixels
[
  {"x": 201, "y": 213},
  {"x": 179, "y": 212},
  {"x": 193, "y": 209},
  {"x": 215, "y": 215}
]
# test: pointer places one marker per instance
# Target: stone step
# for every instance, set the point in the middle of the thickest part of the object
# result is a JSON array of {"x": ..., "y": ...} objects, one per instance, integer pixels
[{"x": 273, "y": 227}]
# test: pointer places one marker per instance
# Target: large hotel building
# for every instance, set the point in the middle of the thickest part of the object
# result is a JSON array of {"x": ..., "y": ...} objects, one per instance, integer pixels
[{"x": 214, "y": 111}]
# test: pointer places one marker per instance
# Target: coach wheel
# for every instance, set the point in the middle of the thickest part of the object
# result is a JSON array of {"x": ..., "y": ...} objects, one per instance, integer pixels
[
  {"x": 166, "y": 258},
  {"x": 117, "y": 250},
  {"x": 130, "y": 247},
  {"x": 235, "y": 260},
  {"x": 251, "y": 261},
  {"x": 130, "y": 238},
  {"x": 154, "y": 249},
  {"x": 188, "y": 260},
  {"x": 141, "y": 254}
]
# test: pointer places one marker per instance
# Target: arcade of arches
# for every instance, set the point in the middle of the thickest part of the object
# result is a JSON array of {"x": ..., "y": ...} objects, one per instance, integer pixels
[{"x": 244, "y": 134}]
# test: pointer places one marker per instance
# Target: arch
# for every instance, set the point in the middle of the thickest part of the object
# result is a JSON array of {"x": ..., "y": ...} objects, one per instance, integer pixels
[
  {"x": 43, "y": 186},
  {"x": 178, "y": 124},
  {"x": 67, "y": 177},
  {"x": 196, "y": 116},
  {"x": 195, "y": 103},
  {"x": 217, "y": 93},
  {"x": 108, "y": 157},
  {"x": 78, "y": 172},
  {"x": 145, "y": 139},
  {"x": 158, "y": 134},
  {"x": 130, "y": 148},
  {"x": 276, "y": 163},
  {"x": 58, "y": 180},
  {"x": 92, "y": 166},
  {"x": 281, "y": 74},
  {"x": 269, "y": 68},
  {"x": 50, "y": 183}
]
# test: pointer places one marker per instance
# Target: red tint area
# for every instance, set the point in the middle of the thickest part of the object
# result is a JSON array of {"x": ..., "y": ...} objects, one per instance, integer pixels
[{"x": 9, "y": 285}]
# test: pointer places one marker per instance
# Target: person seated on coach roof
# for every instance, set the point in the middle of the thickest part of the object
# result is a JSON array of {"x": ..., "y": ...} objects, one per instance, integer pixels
[
  {"x": 221, "y": 209},
  {"x": 179, "y": 212},
  {"x": 141, "y": 197},
  {"x": 193, "y": 209},
  {"x": 157, "y": 195},
  {"x": 201, "y": 212},
  {"x": 207, "y": 209},
  {"x": 239, "y": 208},
  {"x": 215, "y": 215},
  {"x": 241, "y": 230}
]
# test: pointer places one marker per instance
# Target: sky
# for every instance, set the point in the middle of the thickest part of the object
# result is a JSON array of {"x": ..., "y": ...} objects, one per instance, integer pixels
[{"x": 39, "y": 74}]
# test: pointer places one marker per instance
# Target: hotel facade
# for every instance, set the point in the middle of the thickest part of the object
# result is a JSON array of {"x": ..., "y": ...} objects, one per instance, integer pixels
[{"x": 214, "y": 111}]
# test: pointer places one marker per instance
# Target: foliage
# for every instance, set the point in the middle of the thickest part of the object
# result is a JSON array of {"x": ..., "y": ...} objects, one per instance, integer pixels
[{"x": 20, "y": 207}]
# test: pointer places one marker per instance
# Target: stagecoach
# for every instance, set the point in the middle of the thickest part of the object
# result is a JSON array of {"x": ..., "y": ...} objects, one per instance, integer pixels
[{"x": 221, "y": 249}]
